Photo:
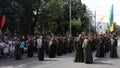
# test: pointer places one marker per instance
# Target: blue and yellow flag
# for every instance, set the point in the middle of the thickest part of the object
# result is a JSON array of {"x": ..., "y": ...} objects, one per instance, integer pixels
[{"x": 111, "y": 19}]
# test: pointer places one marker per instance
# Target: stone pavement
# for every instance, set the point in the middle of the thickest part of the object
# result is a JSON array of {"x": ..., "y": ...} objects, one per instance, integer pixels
[{"x": 65, "y": 61}]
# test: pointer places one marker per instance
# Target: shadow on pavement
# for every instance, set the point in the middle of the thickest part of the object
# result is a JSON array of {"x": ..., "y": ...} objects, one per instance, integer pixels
[
  {"x": 69, "y": 55},
  {"x": 50, "y": 60},
  {"x": 25, "y": 62},
  {"x": 102, "y": 63},
  {"x": 106, "y": 59}
]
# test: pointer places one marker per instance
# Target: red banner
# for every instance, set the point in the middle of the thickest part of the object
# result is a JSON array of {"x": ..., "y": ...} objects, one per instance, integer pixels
[{"x": 3, "y": 22}]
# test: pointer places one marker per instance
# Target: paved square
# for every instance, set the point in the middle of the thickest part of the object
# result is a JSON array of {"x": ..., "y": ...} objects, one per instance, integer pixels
[{"x": 65, "y": 61}]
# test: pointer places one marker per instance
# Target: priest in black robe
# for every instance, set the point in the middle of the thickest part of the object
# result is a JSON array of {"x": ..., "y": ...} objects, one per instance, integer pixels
[{"x": 87, "y": 50}]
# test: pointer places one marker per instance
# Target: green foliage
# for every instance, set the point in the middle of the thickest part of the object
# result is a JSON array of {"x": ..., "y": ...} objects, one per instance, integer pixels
[
  {"x": 76, "y": 25},
  {"x": 44, "y": 16}
]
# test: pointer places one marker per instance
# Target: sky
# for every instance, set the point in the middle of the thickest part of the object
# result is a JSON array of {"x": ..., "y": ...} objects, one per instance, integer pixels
[{"x": 102, "y": 8}]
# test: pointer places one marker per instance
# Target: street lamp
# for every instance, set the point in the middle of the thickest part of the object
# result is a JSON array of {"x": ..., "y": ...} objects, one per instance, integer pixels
[
  {"x": 94, "y": 15},
  {"x": 95, "y": 22},
  {"x": 89, "y": 27},
  {"x": 70, "y": 17}
]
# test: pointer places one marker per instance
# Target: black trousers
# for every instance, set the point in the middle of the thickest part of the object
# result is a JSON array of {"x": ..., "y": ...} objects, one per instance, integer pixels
[{"x": 22, "y": 51}]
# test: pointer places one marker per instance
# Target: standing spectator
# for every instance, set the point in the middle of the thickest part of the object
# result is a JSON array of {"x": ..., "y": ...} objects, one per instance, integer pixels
[
  {"x": 12, "y": 48},
  {"x": 6, "y": 49},
  {"x": 1, "y": 48},
  {"x": 22, "y": 45}
]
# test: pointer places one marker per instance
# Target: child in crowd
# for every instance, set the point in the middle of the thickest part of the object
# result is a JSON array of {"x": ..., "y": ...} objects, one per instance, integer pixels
[
  {"x": 12, "y": 48},
  {"x": 6, "y": 49}
]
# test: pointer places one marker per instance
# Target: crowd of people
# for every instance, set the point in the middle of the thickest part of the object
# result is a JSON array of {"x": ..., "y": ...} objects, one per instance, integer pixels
[{"x": 52, "y": 46}]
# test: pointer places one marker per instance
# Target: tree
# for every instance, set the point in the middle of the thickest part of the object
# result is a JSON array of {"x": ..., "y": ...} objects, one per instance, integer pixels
[{"x": 44, "y": 16}]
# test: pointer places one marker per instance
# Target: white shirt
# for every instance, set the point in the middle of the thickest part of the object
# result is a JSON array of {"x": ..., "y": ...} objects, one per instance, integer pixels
[
  {"x": 39, "y": 43},
  {"x": 13, "y": 42},
  {"x": 1, "y": 44},
  {"x": 10, "y": 42},
  {"x": 6, "y": 48},
  {"x": 12, "y": 48}
]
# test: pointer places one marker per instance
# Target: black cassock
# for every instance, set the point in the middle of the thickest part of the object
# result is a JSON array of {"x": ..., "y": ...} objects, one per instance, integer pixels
[
  {"x": 17, "y": 52},
  {"x": 46, "y": 46},
  {"x": 70, "y": 46},
  {"x": 30, "y": 49},
  {"x": 94, "y": 44},
  {"x": 113, "y": 49},
  {"x": 41, "y": 53},
  {"x": 87, "y": 51},
  {"x": 41, "y": 50},
  {"x": 78, "y": 50},
  {"x": 59, "y": 48},
  {"x": 100, "y": 48},
  {"x": 107, "y": 44},
  {"x": 52, "y": 49},
  {"x": 65, "y": 46}
]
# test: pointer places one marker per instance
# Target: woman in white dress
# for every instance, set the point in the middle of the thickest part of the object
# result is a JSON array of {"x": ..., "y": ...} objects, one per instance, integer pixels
[
  {"x": 12, "y": 48},
  {"x": 6, "y": 49}
]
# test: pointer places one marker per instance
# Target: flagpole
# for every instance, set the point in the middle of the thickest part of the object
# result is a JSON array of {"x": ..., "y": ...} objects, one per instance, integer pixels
[
  {"x": 89, "y": 28},
  {"x": 95, "y": 22}
]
